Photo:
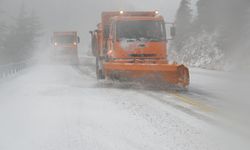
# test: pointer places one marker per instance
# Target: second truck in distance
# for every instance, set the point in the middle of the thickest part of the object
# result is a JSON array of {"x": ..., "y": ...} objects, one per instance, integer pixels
[{"x": 65, "y": 47}]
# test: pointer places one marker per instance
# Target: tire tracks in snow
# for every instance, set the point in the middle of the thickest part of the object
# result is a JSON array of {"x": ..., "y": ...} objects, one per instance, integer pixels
[
  {"x": 198, "y": 110},
  {"x": 187, "y": 102}
]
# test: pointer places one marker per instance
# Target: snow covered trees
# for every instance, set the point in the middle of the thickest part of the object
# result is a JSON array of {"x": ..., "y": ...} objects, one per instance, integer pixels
[
  {"x": 202, "y": 51},
  {"x": 220, "y": 27}
]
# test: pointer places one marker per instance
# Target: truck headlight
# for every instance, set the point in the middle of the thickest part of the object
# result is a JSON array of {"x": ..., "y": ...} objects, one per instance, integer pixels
[{"x": 55, "y": 44}]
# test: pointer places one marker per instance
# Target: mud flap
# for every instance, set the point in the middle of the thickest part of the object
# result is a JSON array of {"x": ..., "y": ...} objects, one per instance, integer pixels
[{"x": 99, "y": 70}]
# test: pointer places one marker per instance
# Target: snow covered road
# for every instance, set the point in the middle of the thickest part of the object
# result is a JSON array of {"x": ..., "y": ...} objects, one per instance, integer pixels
[{"x": 57, "y": 107}]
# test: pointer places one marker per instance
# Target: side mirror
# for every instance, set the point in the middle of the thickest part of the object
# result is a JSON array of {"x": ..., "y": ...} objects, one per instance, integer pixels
[
  {"x": 91, "y": 32},
  {"x": 172, "y": 31},
  {"x": 78, "y": 39}
]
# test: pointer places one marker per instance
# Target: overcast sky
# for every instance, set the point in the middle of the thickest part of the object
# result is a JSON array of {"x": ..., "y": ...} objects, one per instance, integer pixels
[{"x": 83, "y": 15}]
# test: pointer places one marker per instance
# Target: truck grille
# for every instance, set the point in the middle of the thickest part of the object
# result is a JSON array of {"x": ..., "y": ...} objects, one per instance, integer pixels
[{"x": 142, "y": 55}]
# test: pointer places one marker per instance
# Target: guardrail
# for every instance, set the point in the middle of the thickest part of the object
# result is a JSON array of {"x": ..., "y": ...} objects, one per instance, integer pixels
[{"x": 12, "y": 69}]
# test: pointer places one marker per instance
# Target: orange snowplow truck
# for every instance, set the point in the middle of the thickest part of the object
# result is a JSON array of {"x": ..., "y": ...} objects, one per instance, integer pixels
[
  {"x": 66, "y": 46},
  {"x": 133, "y": 45}
]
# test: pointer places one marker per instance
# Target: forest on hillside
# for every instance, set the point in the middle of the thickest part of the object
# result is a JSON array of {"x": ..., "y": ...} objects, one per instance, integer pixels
[{"x": 216, "y": 36}]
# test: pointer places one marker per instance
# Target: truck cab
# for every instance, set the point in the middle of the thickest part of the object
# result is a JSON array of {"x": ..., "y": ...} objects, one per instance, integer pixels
[
  {"x": 133, "y": 37},
  {"x": 133, "y": 46},
  {"x": 65, "y": 47}
]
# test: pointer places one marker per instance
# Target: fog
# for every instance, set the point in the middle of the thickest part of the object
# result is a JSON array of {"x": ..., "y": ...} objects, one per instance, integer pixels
[
  {"x": 212, "y": 40},
  {"x": 81, "y": 15}
]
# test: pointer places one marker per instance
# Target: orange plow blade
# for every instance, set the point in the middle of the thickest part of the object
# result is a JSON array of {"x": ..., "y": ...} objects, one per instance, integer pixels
[{"x": 170, "y": 73}]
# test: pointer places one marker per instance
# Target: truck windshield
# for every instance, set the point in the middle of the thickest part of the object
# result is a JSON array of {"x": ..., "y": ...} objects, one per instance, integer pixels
[
  {"x": 66, "y": 39},
  {"x": 141, "y": 30}
]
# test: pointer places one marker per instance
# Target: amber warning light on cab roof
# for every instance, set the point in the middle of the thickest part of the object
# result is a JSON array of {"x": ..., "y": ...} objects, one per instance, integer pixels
[{"x": 139, "y": 13}]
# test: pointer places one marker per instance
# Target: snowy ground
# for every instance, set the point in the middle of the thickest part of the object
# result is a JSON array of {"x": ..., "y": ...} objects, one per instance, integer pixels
[{"x": 58, "y": 107}]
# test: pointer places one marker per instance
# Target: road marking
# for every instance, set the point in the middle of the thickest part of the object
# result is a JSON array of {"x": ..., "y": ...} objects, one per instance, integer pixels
[
  {"x": 201, "y": 106},
  {"x": 195, "y": 103}
]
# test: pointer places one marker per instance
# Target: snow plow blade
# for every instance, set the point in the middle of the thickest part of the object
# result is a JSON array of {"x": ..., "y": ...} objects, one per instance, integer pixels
[{"x": 170, "y": 73}]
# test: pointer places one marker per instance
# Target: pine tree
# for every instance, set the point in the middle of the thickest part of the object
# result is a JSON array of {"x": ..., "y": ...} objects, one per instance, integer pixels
[
  {"x": 2, "y": 34},
  {"x": 2, "y": 26},
  {"x": 21, "y": 39},
  {"x": 34, "y": 30},
  {"x": 15, "y": 42},
  {"x": 183, "y": 24}
]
